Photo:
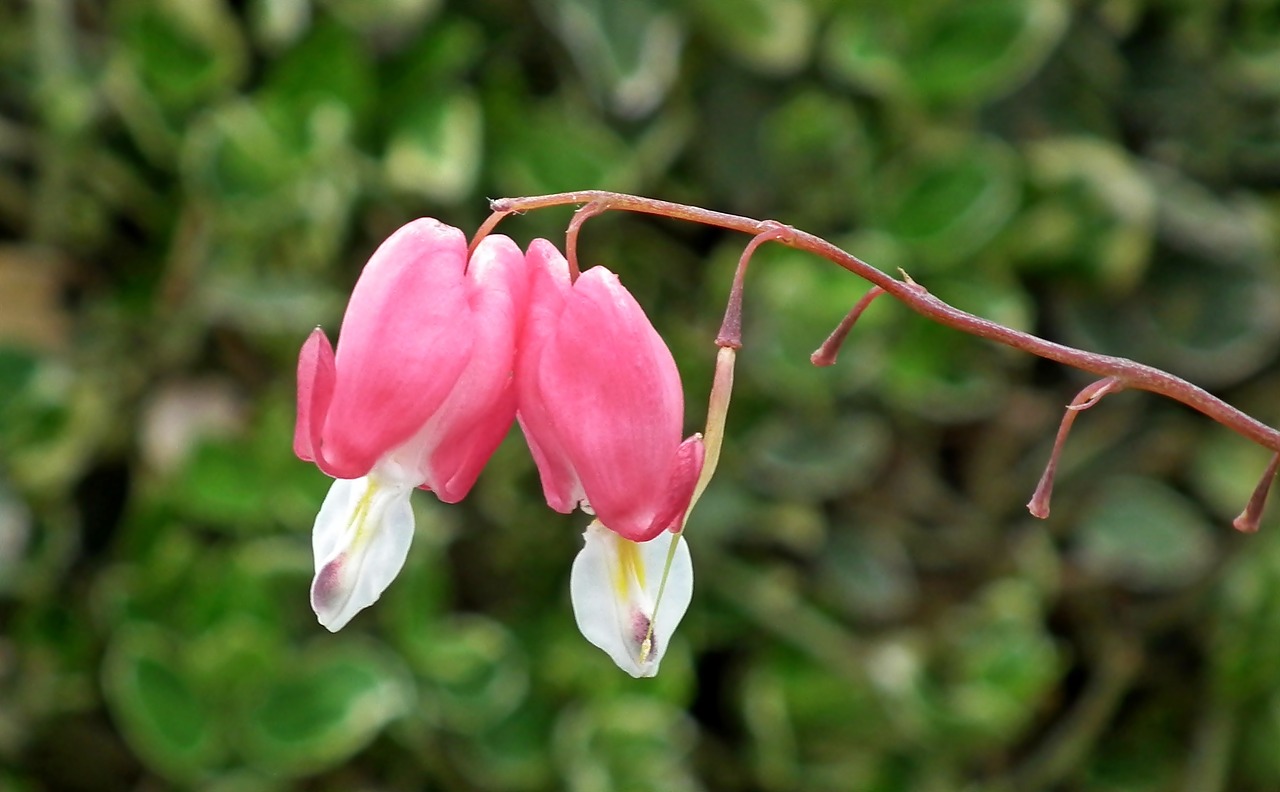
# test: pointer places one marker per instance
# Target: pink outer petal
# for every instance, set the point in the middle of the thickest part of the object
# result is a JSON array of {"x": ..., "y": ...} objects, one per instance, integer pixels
[
  {"x": 315, "y": 389},
  {"x": 612, "y": 394},
  {"x": 686, "y": 467},
  {"x": 476, "y": 416},
  {"x": 549, "y": 286},
  {"x": 405, "y": 339}
]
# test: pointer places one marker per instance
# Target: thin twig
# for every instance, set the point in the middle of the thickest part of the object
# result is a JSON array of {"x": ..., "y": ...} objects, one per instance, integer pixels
[
  {"x": 825, "y": 355},
  {"x": 1089, "y": 396},
  {"x": 1249, "y": 519},
  {"x": 1128, "y": 373}
]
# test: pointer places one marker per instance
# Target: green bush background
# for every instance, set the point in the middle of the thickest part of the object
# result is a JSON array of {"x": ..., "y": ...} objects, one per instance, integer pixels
[{"x": 187, "y": 187}]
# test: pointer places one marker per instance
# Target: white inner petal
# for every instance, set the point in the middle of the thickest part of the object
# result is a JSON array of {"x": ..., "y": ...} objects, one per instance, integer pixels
[
  {"x": 360, "y": 541},
  {"x": 614, "y": 586}
]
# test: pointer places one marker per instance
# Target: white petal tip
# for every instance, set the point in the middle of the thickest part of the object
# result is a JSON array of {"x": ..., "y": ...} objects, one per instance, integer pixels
[
  {"x": 330, "y": 597},
  {"x": 332, "y": 627}
]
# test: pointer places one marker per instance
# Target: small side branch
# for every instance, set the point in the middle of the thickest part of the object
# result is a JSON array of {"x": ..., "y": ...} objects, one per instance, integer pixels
[
  {"x": 826, "y": 354},
  {"x": 1252, "y": 515},
  {"x": 1086, "y": 398},
  {"x": 1129, "y": 374}
]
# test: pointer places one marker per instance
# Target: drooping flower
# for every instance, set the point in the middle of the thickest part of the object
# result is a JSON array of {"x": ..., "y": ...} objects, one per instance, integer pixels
[
  {"x": 601, "y": 405},
  {"x": 419, "y": 394}
]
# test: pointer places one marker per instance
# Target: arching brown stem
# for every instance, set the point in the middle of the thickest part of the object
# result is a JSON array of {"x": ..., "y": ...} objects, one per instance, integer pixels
[
  {"x": 1120, "y": 372},
  {"x": 1129, "y": 373}
]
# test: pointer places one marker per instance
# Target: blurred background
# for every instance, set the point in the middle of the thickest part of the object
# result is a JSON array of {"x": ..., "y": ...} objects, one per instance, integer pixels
[{"x": 188, "y": 187}]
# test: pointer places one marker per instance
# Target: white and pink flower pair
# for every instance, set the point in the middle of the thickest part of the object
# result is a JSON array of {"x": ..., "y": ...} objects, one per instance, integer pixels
[{"x": 439, "y": 353}]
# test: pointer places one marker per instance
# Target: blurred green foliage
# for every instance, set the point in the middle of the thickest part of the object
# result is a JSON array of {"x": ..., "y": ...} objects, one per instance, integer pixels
[{"x": 187, "y": 187}]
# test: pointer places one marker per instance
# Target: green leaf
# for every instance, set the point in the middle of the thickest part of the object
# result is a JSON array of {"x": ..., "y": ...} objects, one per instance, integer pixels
[
  {"x": 512, "y": 754},
  {"x": 436, "y": 147},
  {"x": 1207, "y": 309},
  {"x": 628, "y": 53},
  {"x": 774, "y": 36},
  {"x": 1141, "y": 534},
  {"x": 949, "y": 376},
  {"x": 324, "y": 708},
  {"x": 1000, "y": 665},
  {"x": 818, "y": 153},
  {"x": 1246, "y": 632},
  {"x": 184, "y": 53},
  {"x": 626, "y": 742},
  {"x": 478, "y": 672},
  {"x": 385, "y": 16},
  {"x": 235, "y": 152},
  {"x": 219, "y": 485},
  {"x": 863, "y": 48},
  {"x": 800, "y": 302},
  {"x": 327, "y": 69},
  {"x": 1093, "y": 215},
  {"x": 1225, "y": 470},
  {"x": 949, "y": 204},
  {"x": 981, "y": 49},
  {"x": 562, "y": 149},
  {"x": 868, "y": 572},
  {"x": 818, "y": 460},
  {"x": 159, "y": 710}
]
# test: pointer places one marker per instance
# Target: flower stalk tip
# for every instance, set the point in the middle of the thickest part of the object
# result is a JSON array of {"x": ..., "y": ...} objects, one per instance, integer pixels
[
  {"x": 1250, "y": 519},
  {"x": 826, "y": 354},
  {"x": 1086, "y": 398}
]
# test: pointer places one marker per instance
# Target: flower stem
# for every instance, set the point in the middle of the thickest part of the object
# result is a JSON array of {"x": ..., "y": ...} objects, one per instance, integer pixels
[
  {"x": 1130, "y": 374},
  {"x": 1120, "y": 372},
  {"x": 730, "y": 334}
]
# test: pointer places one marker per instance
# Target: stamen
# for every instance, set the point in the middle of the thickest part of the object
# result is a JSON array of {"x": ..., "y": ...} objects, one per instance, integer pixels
[
  {"x": 644, "y": 627},
  {"x": 646, "y": 645}
]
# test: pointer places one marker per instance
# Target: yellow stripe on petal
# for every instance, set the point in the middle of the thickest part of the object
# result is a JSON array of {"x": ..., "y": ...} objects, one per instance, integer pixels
[
  {"x": 360, "y": 540},
  {"x": 358, "y": 526},
  {"x": 629, "y": 569}
]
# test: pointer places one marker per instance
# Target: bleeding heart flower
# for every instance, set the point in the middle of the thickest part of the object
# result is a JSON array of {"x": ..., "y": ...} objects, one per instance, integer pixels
[
  {"x": 601, "y": 405},
  {"x": 419, "y": 394}
]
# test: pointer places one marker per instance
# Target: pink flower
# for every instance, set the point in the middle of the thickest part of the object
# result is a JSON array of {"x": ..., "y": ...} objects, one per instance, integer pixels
[
  {"x": 419, "y": 394},
  {"x": 601, "y": 405}
]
